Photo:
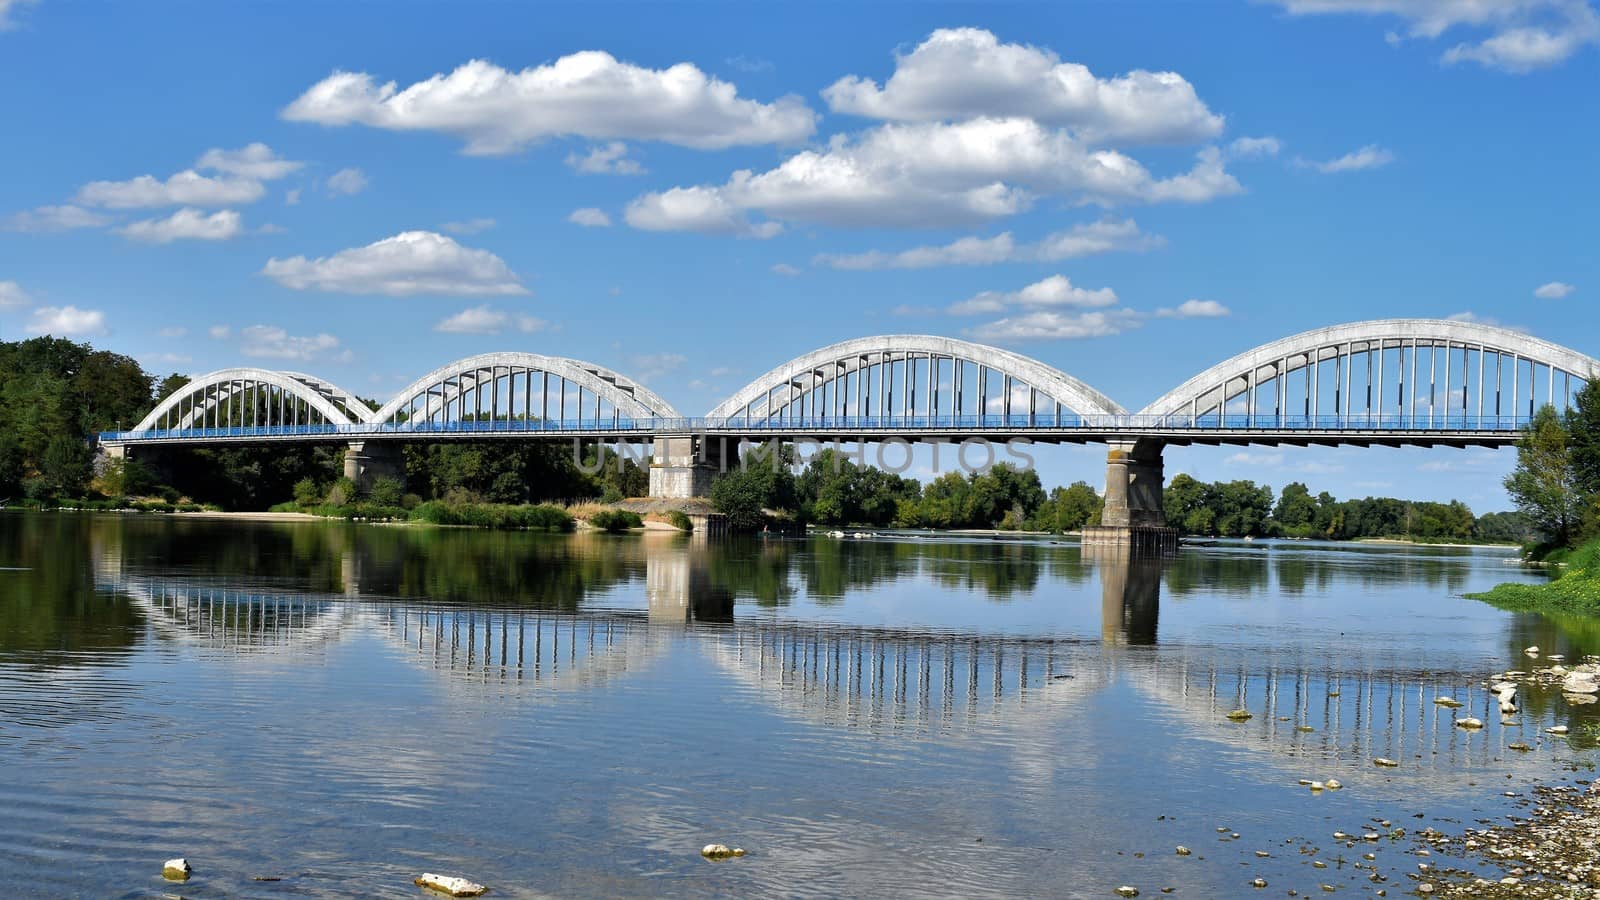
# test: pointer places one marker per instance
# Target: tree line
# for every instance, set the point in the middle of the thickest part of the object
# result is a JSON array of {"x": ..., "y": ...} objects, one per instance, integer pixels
[{"x": 1556, "y": 482}]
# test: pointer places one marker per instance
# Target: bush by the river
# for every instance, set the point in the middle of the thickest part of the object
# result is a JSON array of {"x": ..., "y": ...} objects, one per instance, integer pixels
[
  {"x": 1575, "y": 587},
  {"x": 616, "y": 520},
  {"x": 540, "y": 517},
  {"x": 680, "y": 520}
]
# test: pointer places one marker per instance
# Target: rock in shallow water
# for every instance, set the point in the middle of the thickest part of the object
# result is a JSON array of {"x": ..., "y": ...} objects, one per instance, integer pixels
[
  {"x": 1385, "y": 762},
  {"x": 176, "y": 869},
  {"x": 1127, "y": 891},
  {"x": 1239, "y": 715},
  {"x": 720, "y": 851},
  {"x": 1469, "y": 722},
  {"x": 450, "y": 884}
]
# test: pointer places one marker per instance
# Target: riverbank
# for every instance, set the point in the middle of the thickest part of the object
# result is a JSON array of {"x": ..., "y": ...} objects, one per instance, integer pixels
[
  {"x": 1550, "y": 853},
  {"x": 1574, "y": 589}
]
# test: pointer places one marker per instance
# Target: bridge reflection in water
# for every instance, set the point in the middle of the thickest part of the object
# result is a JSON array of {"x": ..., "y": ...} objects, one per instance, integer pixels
[{"x": 960, "y": 683}]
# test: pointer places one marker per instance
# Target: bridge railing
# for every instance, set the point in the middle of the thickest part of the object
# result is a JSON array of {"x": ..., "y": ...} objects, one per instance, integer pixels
[{"x": 877, "y": 425}]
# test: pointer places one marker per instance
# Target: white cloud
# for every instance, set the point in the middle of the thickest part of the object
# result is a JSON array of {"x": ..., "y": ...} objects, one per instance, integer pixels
[
  {"x": 907, "y": 309},
  {"x": 176, "y": 331},
  {"x": 412, "y": 262},
  {"x": 1248, "y": 458},
  {"x": 54, "y": 218},
  {"x": 185, "y": 224},
  {"x": 702, "y": 209},
  {"x": 187, "y": 188},
  {"x": 750, "y": 63},
  {"x": 959, "y": 73},
  {"x": 484, "y": 320},
  {"x": 219, "y": 332},
  {"x": 1195, "y": 309},
  {"x": 172, "y": 359},
  {"x": 12, "y": 294},
  {"x": 7, "y": 8},
  {"x": 254, "y": 161},
  {"x": 272, "y": 342},
  {"x": 606, "y": 159},
  {"x": 930, "y": 174},
  {"x": 1523, "y": 34},
  {"x": 1246, "y": 147},
  {"x": 1554, "y": 290},
  {"x": 67, "y": 321},
  {"x": 654, "y": 365},
  {"x": 1085, "y": 239},
  {"x": 1476, "y": 319},
  {"x": 785, "y": 269},
  {"x": 1369, "y": 157},
  {"x": 1047, "y": 325},
  {"x": 589, "y": 217},
  {"x": 243, "y": 172},
  {"x": 346, "y": 182},
  {"x": 470, "y": 226},
  {"x": 589, "y": 94},
  {"x": 1055, "y": 291},
  {"x": 292, "y": 198}
]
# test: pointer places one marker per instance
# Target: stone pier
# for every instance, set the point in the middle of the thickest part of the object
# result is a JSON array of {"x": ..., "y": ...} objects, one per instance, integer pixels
[
  {"x": 367, "y": 461},
  {"x": 1133, "y": 516},
  {"x": 683, "y": 467}
]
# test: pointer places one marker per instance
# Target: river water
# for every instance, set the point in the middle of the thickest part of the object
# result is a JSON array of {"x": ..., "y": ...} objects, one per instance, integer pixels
[{"x": 343, "y": 707}]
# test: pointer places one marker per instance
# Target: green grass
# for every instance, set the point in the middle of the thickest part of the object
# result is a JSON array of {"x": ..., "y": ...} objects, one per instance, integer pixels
[
  {"x": 616, "y": 520},
  {"x": 1576, "y": 589}
]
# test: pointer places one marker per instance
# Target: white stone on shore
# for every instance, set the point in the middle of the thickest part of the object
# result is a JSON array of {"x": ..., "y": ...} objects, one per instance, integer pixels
[
  {"x": 1450, "y": 702},
  {"x": 1580, "y": 683},
  {"x": 1532, "y": 651},
  {"x": 450, "y": 884},
  {"x": 176, "y": 869},
  {"x": 1556, "y": 729}
]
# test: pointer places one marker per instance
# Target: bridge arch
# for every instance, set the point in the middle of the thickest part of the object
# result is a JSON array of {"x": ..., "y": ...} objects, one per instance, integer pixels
[
  {"x": 246, "y": 397},
  {"x": 1391, "y": 372},
  {"x": 910, "y": 375},
  {"x": 512, "y": 385}
]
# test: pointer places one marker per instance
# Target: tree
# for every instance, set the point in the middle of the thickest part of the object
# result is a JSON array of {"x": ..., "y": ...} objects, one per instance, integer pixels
[
  {"x": 1295, "y": 506},
  {"x": 1543, "y": 485},
  {"x": 66, "y": 465}
]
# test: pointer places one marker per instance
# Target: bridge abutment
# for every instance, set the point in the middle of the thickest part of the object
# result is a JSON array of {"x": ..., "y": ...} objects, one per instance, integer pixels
[
  {"x": 367, "y": 461},
  {"x": 1134, "y": 515},
  {"x": 683, "y": 467}
]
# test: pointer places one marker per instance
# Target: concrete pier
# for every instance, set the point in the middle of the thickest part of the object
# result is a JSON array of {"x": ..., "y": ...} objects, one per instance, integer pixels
[
  {"x": 683, "y": 467},
  {"x": 367, "y": 461},
  {"x": 1134, "y": 516}
]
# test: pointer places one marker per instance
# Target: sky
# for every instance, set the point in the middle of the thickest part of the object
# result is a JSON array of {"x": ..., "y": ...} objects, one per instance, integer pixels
[{"x": 693, "y": 194}]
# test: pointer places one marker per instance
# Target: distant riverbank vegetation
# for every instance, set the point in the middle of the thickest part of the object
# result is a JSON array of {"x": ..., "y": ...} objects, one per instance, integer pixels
[{"x": 833, "y": 490}]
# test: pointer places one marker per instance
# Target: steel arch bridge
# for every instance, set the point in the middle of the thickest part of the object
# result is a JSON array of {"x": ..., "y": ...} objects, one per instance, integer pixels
[{"x": 1387, "y": 382}]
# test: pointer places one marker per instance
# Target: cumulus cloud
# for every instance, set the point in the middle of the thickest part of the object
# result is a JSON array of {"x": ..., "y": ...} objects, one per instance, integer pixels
[
  {"x": 12, "y": 294},
  {"x": 1554, "y": 290},
  {"x": 1086, "y": 239},
  {"x": 185, "y": 224},
  {"x": 54, "y": 218},
  {"x": 219, "y": 332},
  {"x": 255, "y": 161},
  {"x": 702, "y": 209},
  {"x": 606, "y": 159},
  {"x": 346, "y": 182},
  {"x": 590, "y": 94},
  {"x": 589, "y": 217},
  {"x": 785, "y": 269},
  {"x": 176, "y": 331},
  {"x": 272, "y": 342},
  {"x": 485, "y": 320},
  {"x": 412, "y": 262},
  {"x": 960, "y": 73},
  {"x": 1371, "y": 156},
  {"x": 470, "y": 226},
  {"x": 1247, "y": 147},
  {"x": 1055, "y": 291},
  {"x": 931, "y": 174},
  {"x": 1195, "y": 309},
  {"x": 67, "y": 321},
  {"x": 1523, "y": 35},
  {"x": 1049, "y": 325},
  {"x": 1476, "y": 319},
  {"x": 242, "y": 173}
]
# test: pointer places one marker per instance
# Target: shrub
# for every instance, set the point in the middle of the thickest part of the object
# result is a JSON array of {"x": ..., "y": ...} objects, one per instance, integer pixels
[
  {"x": 680, "y": 520},
  {"x": 343, "y": 493},
  {"x": 387, "y": 492},
  {"x": 616, "y": 520},
  {"x": 306, "y": 493}
]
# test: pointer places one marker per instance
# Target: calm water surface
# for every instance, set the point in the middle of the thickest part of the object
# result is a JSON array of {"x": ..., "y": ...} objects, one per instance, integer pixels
[{"x": 344, "y": 707}]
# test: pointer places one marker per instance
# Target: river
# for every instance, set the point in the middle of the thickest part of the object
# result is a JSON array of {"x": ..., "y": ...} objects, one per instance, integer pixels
[{"x": 343, "y": 707}]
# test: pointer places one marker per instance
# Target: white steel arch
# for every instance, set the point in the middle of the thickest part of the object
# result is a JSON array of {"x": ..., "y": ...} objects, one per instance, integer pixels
[
  {"x": 357, "y": 409},
  {"x": 438, "y": 388},
  {"x": 1469, "y": 349},
  {"x": 205, "y": 393},
  {"x": 832, "y": 366}
]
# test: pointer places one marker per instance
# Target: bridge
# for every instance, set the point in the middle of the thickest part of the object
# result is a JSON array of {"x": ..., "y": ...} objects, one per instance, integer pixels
[{"x": 1393, "y": 382}]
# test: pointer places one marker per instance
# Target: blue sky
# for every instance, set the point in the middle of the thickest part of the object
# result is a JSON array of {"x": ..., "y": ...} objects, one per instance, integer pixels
[{"x": 1276, "y": 166}]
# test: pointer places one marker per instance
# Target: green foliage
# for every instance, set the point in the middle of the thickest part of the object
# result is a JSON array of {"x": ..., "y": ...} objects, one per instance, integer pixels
[
  {"x": 1544, "y": 485},
  {"x": 13, "y": 466},
  {"x": 342, "y": 493},
  {"x": 306, "y": 492},
  {"x": 836, "y": 491},
  {"x": 1068, "y": 509},
  {"x": 1227, "y": 509},
  {"x": 387, "y": 492},
  {"x": 127, "y": 477},
  {"x": 1575, "y": 590},
  {"x": 680, "y": 520},
  {"x": 492, "y": 515},
  {"x": 616, "y": 520},
  {"x": 740, "y": 494},
  {"x": 66, "y": 465}
]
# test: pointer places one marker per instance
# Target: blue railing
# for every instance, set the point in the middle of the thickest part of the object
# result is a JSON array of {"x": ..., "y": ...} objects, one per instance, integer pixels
[{"x": 1015, "y": 422}]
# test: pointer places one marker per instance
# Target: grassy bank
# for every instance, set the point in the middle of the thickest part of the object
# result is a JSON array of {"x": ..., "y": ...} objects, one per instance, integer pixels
[
  {"x": 1576, "y": 589},
  {"x": 536, "y": 517}
]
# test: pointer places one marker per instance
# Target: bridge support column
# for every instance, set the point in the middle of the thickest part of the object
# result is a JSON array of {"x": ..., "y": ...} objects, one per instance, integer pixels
[
  {"x": 682, "y": 467},
  {"x": 365, "y": 462},
  {"x": 1133, "y": 515}
]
